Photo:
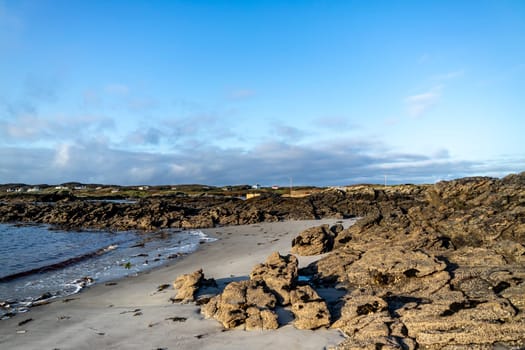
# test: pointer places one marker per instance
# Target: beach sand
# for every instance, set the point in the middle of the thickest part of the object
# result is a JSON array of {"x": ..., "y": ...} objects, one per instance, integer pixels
[{"x": 132, "y": 314}]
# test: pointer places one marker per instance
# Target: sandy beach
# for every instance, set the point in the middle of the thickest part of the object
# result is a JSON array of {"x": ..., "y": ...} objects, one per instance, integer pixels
[{"x": 132, "y": 314}]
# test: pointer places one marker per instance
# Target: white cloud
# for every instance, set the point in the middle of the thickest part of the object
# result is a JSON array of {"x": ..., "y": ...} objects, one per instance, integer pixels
[
  {"x": 269, "y": 163},
  {"x": 140, "y": 174},
  {"x": 288, "y": 133},
  {"x": 178, "y": 169},
  {"x": 62, "y": 155},
  {"x": 418, "y": 104},
  {"x": 25, "y": 128},
  {"x": 117, "y": 96}
]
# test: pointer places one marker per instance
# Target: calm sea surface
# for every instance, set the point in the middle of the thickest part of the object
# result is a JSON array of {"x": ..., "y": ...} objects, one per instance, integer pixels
[{"x": 39, "y": 263}]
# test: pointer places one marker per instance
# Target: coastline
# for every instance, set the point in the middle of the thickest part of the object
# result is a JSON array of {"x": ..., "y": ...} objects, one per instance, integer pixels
[{"x": 132, "y": 313}]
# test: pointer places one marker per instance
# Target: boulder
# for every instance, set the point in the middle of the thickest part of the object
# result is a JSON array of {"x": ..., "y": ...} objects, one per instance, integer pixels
[
  {"x": 313, "y": 241},
  {"x": 279, "y": 273},
  {"x": 247, "y": 304},
  {"x": 310, "y": 310},
  {"x": 187, "y": 285}
]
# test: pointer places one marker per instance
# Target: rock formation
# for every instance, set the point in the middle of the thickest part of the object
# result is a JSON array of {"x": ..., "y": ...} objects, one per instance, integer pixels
[
  {"x": 251, "y": 304},
  {"x": 309, "y": 309},
  {"x": 247, "y": 303},
  {"x": 279, "y": 273},
  {"x": 187, "y": 285},
  {"x": 427, "y": 266},
  {"x": 313, "y": 241}
]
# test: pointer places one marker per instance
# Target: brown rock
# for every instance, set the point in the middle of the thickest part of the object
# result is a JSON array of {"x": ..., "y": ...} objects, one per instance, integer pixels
[
  {"x": 366, "y": 320},
  {"x": 245, "y": 303},
  {"x": 309, "y": 309},
  {"x": 258, "y": 319},
  {"x": 187, "y": 285},
  {"x": 279, "y": 273},
  {"x": 334, "y": 267},
  {"x": 393, "y": 266},
  {"x": 313, "y": 241}
]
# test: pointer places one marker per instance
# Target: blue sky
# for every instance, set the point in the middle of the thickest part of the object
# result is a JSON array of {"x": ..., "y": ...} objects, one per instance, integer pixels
[{"x": 230, "y": 92}]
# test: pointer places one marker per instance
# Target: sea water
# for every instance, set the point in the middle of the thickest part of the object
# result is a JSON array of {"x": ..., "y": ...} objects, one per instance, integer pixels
[{"x": 39, "y": 263}]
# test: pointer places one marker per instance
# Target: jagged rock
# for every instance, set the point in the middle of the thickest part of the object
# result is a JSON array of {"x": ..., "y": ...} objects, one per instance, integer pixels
[
  {"x": 279, "y": 273},
  {"x": 414, "y": 290},
  {"x": 392, "y": 266},
  {"x": 246, "y": 303},
  {"x": 310, "y": 311},
  {"x": 360, "y": 304},
  {"x": 333, "y": 267},
  {"x": 364, "y": 318},
  {"x": 447, "y": 258},
  {"x": 477, "y": 256},
  {"x": 187, "y": 285},
  {"x": 258, "y": 319},
  {"x": 343, "y": 237},
  {"x": 313, "y": 241}
]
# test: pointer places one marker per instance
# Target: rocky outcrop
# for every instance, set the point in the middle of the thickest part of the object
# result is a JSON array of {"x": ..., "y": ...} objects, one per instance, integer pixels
[
  {"x": 313, "y": 241},
  {"x": 248, "y": 304},
  {"x": 251, "y": 304},
  {"x": 310, "y": 311},
  {"x": 434, "y": 267},
  {"x": 279, "y": 273},
  {"x": 469, "y": 211},
  {"x": 427, "y": 266},
  {"x": 433, "y": 297},
  {"x": 187, "y": 285}
]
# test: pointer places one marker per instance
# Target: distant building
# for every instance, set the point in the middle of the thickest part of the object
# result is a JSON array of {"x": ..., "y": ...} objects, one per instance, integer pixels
[{"x": 256, "y": 187}]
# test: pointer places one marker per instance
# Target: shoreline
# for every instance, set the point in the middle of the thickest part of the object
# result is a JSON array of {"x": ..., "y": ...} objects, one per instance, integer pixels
[
  {"x": 132, "y": 313},
  {"x": 60, "y": 266}
]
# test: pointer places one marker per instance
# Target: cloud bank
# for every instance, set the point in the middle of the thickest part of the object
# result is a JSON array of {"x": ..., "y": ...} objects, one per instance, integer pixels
[
  {"x": 267, "y": 163},
  {"x": 194, "y": 147}
]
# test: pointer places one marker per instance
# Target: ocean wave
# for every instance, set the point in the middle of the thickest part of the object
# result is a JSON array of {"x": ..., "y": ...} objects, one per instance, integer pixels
[{"x": 59, "y": 265}]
